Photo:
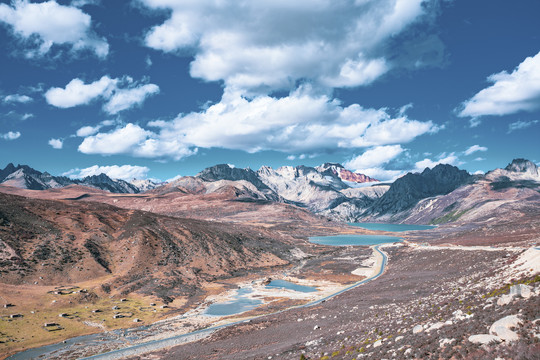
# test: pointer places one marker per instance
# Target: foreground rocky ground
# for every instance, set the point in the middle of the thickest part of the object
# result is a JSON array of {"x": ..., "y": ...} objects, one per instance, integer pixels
[{"x": 427, "y": 305}]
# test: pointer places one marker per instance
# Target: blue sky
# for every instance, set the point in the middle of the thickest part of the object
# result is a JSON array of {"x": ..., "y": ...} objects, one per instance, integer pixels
[{"x": 159, "y": 88}]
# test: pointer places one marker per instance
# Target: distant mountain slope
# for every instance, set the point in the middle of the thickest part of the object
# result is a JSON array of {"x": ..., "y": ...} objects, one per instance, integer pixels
[
  {"x": 486, "y": 202},
  {"x": 408, "y": 190},
  {"x": 56, "y": 242},
  {"x": 435, "y": 195},
  {"x": 23, "y": 176},
  {"x": 344, "y": 174},
  {"x": 145, "y": 185},
  {"x": 320, "y": 189}
]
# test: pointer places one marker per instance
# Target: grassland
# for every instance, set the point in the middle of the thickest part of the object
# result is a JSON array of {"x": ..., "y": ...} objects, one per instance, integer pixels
[{"x": 75, "y": 310}]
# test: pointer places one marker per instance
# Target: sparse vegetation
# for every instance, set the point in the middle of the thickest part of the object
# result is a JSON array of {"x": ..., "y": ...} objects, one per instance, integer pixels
[{"x": 449, "y": 217}]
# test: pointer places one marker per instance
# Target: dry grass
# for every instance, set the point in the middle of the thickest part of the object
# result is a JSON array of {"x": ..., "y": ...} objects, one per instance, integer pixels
[{"x": 40, "y": 306}]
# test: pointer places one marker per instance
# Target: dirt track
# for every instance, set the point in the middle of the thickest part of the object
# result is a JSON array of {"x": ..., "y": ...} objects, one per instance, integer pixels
[{"x": 386, "y": 305}]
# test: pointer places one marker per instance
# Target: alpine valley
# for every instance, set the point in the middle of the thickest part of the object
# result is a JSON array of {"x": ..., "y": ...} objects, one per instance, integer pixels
[{"x": 87, "y": 257}]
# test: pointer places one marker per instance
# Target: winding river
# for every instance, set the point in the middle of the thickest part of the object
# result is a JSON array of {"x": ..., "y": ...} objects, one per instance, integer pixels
[{"x": 338, "y": 240}]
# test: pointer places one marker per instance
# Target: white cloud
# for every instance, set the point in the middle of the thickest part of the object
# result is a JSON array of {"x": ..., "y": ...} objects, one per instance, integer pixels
[
  {"x": 257, "y": 48},
  {"x": 382, "y": 174},
  {"x": 173, "y": 178},
  {"x": 474, "y": 148},
  {"x": 126, "y": 98},
  {"x": 372, "y": 161},
  {"x": 518, "y": 125},
  {"x": 450, "y": 159},
  {"x": 56, "y": 143},
  {"x": 77, "y": 92},
  {"x": 45, "y": 24},
  {"x": 148, "y": 61},
  {"x": 479, "y": 159},
  {"x": 374, "y": 157},
  {"x": 118, "y": 98},
  {"x": 16, "y": 98},
  {"x": 510, "y": 93},
  {"x": 298, "y": 123},
  {"x": 266, "y": 45},
  {"x": 478, "y": 172},
  {"x": 124, "y": 172},
  {"x": 81, "y": 3},
  {"x": 91, "y": 130},
  {"x": 120, "y": 141},
  {"x": 11, "y": 135},
  {"x": 88, "y": 130}
]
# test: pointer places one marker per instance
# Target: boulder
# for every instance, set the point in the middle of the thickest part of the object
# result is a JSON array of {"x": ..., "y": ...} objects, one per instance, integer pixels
[
  {"x": 505, "y": 300},
  {"x": 521, "y": 290},
  {"x": 484, "y": 339},
  {"x": 435, "y": 326},
  {"x": 502, "y": 328},
  {"x": 417, "y": 329},
  {"x": 446, "y": 341}
]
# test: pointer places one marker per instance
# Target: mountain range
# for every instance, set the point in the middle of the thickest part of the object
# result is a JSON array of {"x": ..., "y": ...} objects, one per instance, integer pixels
[
  {"x": 329, "y": 190},
  {"x": 23, "y": 176}
]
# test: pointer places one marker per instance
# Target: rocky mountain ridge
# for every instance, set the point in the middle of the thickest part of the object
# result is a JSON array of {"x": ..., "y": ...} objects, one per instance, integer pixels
[
  {"x": 445, "y": 190},
  {"x": 23, "y": 176},
  {"x": 319, "y": 189},
  {"x": 406, "y": 191},
  {"x": 497, "y": 197}
]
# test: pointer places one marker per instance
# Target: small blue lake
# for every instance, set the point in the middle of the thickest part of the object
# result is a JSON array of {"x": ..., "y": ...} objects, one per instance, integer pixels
[
  {"x": 240, "y": 304},
  {"x": 358, "y": 240},
  {"x": 283, "y": 284},
  {"x": 392, "y": 227}
]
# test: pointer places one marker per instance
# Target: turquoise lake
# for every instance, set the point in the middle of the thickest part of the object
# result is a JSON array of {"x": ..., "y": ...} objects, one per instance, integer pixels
[
  {"x": 239, "y": 305},
  {"x": 358, "y": 240},
  {"x": 283, "y": 284},
  {"x": 392, "y": 227}
]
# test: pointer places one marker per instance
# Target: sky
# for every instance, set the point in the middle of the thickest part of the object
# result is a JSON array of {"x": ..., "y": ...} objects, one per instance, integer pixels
[{"x": 160, "y": 88}]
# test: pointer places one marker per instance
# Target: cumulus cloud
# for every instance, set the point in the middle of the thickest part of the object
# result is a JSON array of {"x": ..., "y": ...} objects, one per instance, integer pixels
[
  {"x": 56, "y": 143},
  {"x": 518, "y": 125},
  {"x": 11, "y": 135},
  {"x": 305, "y": 48},
  {"x": 81, "y": 3},
  {"x": 382, "y": 174},
  {"x": 118, "y": 97},
  {"x": 91, "y": 130},
  {"x": 450, "y": 159},
  {"x": 124, "y": 172},
  {"x": 127, "y": 98},
  {"x": 298, "y": 123},
  {"x": 17, "y": 98},
  {"x": 268, "y": 45},
  {"x": 510, "y": 92},
  {"x": 474, "y": 148},
  {"x": 372, "y": 162},
  {"x": 40, "y": 26},
  {"x": 77, "y": 92},
  {"x": 87, "y": 130},
  {"x": 374, "y": 157},
  {"x": 120, "y": 141}
]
